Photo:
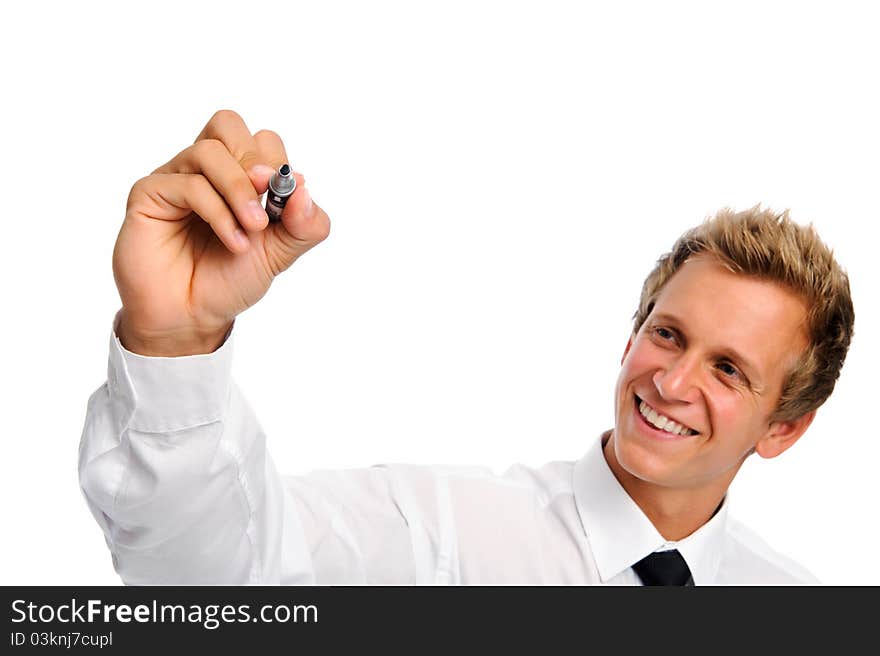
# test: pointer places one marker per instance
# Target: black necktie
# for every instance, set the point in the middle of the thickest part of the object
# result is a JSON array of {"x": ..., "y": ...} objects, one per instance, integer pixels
[{"x": 664, "y": 568}]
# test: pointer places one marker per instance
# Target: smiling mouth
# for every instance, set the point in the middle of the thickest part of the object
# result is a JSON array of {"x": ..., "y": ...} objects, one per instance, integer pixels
[{"x": 660, "y": 422}]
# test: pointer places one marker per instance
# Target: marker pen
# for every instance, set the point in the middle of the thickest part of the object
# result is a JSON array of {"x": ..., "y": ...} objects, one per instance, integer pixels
[{"x": 281, "y": 187}]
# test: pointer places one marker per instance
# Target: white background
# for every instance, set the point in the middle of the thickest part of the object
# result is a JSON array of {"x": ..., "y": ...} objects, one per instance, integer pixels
[{"x": 500, "y": 178}]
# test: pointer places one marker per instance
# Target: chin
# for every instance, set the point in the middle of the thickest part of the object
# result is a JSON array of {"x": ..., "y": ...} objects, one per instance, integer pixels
[
  {"x": 642, "y": 458},
  {"x": 639, "y": 463}
]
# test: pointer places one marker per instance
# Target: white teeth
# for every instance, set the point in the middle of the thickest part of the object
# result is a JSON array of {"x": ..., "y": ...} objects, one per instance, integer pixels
[{"x": 662, "y": 422}]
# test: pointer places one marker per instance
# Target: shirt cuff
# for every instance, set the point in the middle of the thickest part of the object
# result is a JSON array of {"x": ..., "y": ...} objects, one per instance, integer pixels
[{"x": 158, "y": 394}]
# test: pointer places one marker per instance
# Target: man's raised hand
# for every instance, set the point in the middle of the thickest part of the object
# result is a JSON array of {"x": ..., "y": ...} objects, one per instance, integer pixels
[{"x": 196, "y": 249}]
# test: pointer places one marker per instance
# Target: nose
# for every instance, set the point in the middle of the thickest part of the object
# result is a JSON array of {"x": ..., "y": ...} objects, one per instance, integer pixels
[{"x": 678, "y": 381}]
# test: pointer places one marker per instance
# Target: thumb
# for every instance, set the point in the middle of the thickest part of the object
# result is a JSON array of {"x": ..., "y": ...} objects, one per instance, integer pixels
[{"x": 303, "y": 225}]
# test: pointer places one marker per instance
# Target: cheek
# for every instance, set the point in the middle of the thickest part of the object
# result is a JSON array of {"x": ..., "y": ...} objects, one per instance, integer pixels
[
  {"x": 642, "y": 359},
  {"x": 730, "y": 413},
  {"x": 638, "y": 364}
]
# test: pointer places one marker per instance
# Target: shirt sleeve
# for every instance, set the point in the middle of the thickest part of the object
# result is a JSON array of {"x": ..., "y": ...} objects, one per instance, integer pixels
[{"x": 174, "y": 468}]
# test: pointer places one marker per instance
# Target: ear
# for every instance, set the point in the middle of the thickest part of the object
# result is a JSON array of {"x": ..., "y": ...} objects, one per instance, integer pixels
[
  {"x": 629, "y": 344},
  {"x": 782, "y": 434}
]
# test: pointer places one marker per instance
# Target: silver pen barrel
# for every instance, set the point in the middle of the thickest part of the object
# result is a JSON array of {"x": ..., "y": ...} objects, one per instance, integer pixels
[{"x": 281, "y": 187}]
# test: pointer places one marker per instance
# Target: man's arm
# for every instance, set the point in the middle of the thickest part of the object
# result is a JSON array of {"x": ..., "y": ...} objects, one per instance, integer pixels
[
  {"x": 175, "y": 470},
  {"x": 174, "y": 467},
  {"x": 173, "y": 462}
]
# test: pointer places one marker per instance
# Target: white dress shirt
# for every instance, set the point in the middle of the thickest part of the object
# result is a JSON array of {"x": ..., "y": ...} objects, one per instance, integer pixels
[{"x": 174, "y": 467}]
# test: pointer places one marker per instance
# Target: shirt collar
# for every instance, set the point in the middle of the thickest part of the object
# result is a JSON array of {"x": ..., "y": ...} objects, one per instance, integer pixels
[{"x": 620, "y": 534}]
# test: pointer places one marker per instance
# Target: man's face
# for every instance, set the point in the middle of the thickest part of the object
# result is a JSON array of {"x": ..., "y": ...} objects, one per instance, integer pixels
[{"x": 712, "y": 357}]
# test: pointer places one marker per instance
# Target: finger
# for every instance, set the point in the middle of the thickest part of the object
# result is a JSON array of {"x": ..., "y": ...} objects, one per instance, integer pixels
[
  {"x": 229, "y": 128},
  {"x": 298, "y": 210},
  {"x": 303, "y": 225},
  {"x": 210, "y": 158},
  {"x": 271, "y": 152},
  {"x": 270, "y": 148},
  {"x": 174, "y": 196}
]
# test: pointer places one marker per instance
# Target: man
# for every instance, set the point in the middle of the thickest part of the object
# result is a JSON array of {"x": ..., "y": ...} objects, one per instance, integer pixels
[{"x": 739, "y": 337}]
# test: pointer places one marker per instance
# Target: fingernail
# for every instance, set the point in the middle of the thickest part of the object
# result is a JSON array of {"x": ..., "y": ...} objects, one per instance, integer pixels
[
  {"x": 262, "y": 170},
  {"x": 241, "y": 238},
  {"x": 257, "y": 213}
]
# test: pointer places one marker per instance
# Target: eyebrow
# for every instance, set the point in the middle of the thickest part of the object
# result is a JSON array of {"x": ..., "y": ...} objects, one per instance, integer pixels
[{"x": 728, "y": 352}]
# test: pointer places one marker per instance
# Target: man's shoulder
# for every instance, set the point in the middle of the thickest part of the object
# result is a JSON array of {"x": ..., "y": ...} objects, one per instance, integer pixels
[
  {"x": 749, "y": 559},
  {"x": 547, "y": 480}
]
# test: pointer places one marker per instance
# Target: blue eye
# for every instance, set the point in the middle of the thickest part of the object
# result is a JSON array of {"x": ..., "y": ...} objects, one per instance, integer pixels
[
  {"x": 664, "y": 333},
  {"x": 728, "y": 369}
]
